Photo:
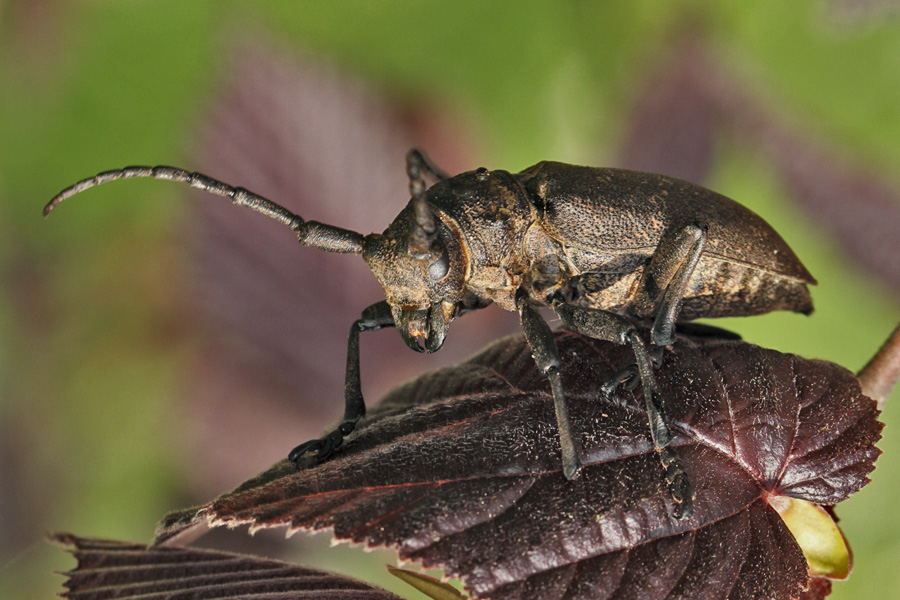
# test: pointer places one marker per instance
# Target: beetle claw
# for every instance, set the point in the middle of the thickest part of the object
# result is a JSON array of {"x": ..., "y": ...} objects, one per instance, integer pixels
[
  {"x": 656, "y": 355},
  {"x": 310, "y": 447},
  {"x": 628, "y": 378},
  {"x": 323, "y": 447}
]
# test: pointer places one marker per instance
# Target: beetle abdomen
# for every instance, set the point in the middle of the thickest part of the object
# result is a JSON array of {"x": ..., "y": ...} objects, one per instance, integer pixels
[
  {"x": 718, "y": 288},
  {"x": 724, "y": 288}
]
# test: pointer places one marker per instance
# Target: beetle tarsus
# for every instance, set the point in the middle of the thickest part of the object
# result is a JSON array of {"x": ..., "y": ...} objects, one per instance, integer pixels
[
  {"x": 310, "y": 447},
  {"x": 676, "y": 475},
  {"x": 571, "y": 465},
  {"x": 679, "y": 484}
]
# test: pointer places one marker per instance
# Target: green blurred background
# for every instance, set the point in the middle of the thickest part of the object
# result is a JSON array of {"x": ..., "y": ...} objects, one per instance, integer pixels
[{"x": 93, "y": 351}]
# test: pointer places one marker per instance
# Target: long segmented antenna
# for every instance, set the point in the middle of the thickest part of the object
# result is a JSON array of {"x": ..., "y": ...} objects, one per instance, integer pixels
[{"x": 310, "y": 233}]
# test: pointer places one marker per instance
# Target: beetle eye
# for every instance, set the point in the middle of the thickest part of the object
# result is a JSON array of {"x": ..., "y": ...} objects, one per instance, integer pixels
[{"x": 439, "y": 268}]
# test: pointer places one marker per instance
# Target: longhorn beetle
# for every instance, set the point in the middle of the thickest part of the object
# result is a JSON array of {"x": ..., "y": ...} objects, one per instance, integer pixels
[{"x": 606, "y": 249}]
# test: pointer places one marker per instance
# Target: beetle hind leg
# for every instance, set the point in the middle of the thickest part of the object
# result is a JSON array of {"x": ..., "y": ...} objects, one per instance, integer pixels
[
  {"x": 679, "y": 484},
  {"x": 604, "y": 325},
  {"x": 676, "y": 476},
  {"x": 665, "y": 280},
  {"x": 705, "y": 331}
]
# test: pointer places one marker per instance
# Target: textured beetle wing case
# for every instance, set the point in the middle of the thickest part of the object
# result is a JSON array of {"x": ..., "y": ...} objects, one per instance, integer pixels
[{"x": 614, "y": 211}]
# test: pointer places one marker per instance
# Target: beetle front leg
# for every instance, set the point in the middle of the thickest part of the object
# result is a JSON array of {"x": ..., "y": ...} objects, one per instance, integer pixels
[
  {"x": 667, "y": 274},
  {"x": 543, "y": 348},
  {"x": 604, "y": 325},
  {"x": 373, "y": 318}
]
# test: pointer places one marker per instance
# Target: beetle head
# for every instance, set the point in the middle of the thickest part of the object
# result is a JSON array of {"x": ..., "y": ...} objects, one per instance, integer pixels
[{"x": 418, "y": 261}]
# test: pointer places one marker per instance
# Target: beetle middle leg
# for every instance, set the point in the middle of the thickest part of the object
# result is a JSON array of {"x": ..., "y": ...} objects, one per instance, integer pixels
[
  {"x": 546, "y": 355},
  {"x": 604, "y": 325},
  {"x": 373, "y": 318}
]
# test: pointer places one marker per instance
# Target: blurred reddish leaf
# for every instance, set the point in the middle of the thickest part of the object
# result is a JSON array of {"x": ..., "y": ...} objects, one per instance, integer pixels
[
  {"x": 691, "y": 96},
  {"x": 673, "y": 126},
  {"x": 460, "y": 468},
  {"x": 108, "y": 569},
  {"x": 858, "y": 205},
  {"x": 325, "y": 145},
  {"x": 856, "y": 13},
  {"x": 34, "y": 31}
]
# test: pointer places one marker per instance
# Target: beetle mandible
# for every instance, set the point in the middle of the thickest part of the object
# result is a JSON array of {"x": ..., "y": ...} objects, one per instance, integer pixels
[{"x": 606, "y": 249}]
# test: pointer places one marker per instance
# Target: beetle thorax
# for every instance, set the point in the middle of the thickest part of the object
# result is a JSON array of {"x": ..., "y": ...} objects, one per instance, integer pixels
[{"x": 490, "y": 213}]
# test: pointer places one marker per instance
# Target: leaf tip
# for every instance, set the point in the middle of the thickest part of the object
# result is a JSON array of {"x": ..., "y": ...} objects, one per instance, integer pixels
[
  {"x": 428, "y": 585},
  {"x": 816, "y": 532}
]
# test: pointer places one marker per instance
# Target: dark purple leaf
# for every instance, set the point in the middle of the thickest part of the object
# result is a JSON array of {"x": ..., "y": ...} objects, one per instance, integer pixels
[
  {"x": 108, "y": 569},
  {"x": 461, "y": 469}
]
